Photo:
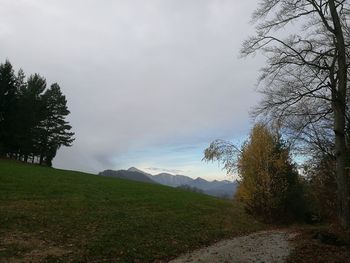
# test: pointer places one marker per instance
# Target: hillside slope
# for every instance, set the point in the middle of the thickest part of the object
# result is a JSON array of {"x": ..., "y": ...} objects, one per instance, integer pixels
[{"x": 59, "y": 216}]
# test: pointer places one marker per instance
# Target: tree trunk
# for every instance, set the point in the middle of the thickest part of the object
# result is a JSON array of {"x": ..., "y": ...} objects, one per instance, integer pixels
[
  {"x": 339, "y": 121},
  {"x": 41, "y": 159}
]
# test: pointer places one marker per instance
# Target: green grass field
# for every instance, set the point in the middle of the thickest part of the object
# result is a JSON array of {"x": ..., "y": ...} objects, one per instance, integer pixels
[{"x": 51, "y": 215}]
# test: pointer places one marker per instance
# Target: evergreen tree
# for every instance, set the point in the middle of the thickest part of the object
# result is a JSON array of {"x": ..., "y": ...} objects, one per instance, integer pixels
[
  {"x": 32, "y": 118},
  {"x": 30, "y": 114},
  {"x": 54, "y": 129},
  {"x": 8, "y": 93}
]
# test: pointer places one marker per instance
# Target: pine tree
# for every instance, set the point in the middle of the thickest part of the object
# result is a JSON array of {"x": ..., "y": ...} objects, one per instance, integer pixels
[
  {"x": 8, "y": 93},
  {"x": 54, "y": 129},
  {"x": 32, "y": 117},
  {"x": 30, "y": 114}
]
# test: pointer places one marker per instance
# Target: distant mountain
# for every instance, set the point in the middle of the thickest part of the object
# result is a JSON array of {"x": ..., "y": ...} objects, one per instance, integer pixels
[
  {"x": 201, "y": 183},
  {"x": 134, "y": 169},
  {"x": 129, "y": 175},
  {"x": 216, "y": 188},
  {"x": 171, "y": 180},
  {"x": 226, "y": 190}
]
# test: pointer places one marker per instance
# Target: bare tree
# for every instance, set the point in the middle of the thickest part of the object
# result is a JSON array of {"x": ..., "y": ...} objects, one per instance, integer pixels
[{"x": 305, "y": 82}]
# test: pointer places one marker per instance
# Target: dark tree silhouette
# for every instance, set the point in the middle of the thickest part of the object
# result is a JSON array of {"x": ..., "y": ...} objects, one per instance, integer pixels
[
  {"x": 32, "y": 118},
  {"x": 54, "y": 129},
  {"x": 8, "y": 93}
]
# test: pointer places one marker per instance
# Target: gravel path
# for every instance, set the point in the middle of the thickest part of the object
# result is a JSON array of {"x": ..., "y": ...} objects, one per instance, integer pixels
[{"x": 266, "y": 246}]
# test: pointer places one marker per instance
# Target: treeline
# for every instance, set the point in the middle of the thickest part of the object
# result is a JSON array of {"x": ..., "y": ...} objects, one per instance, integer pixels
[
  {"x": 272, "y": 186},
  {"x": 33, "y": 122},
  {"x": 305, "y": 88}
]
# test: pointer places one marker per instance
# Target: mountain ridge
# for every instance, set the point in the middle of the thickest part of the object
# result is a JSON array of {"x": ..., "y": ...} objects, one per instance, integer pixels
[
  {"x": 216, "y": 188},
  {"x": 128, "y": 175}
]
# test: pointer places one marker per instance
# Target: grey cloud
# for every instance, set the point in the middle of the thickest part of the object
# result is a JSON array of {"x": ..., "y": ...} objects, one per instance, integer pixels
[{"x": 137, "y": 74}]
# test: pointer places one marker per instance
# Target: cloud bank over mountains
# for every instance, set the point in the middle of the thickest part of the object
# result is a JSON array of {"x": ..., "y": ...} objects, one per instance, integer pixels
[{"x": 146, "y": 81}]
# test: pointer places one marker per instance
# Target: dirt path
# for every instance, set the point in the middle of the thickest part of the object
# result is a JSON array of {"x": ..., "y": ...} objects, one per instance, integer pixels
[{"x": 266, "y": 246}]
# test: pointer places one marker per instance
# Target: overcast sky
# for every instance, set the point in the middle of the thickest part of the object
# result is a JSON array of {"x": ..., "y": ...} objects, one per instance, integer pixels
[{"x": 149, "y": 83}]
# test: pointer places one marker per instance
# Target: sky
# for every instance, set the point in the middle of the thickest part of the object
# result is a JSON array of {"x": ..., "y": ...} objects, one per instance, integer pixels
[{"x": 149, "y": 83}]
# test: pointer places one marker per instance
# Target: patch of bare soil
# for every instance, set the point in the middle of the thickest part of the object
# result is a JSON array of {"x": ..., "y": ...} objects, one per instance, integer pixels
[{"x": 27, "y": 248}]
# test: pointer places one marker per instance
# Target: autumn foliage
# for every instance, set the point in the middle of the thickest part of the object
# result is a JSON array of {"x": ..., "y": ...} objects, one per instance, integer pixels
[{"x": 269, "y": 180}]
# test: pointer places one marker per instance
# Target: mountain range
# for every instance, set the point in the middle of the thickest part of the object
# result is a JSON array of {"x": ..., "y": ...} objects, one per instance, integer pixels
[{"x": 216, "y": 188}]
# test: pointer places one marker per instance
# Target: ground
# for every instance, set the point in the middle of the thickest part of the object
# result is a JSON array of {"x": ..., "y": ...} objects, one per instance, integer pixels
[
  {"x": 321, "y": 243},
  {"x": 295, "y": 244},
  {"x": 51, "y": 215},
  {"x": 266, "y": 246}
]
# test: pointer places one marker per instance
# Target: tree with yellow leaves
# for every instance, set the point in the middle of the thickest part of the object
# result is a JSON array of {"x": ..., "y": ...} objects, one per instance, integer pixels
[{"x": 269, "y": 184}]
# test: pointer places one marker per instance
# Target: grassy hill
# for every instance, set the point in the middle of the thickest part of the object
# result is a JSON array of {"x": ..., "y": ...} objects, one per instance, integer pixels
[{"x": 53, "y": 215}]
